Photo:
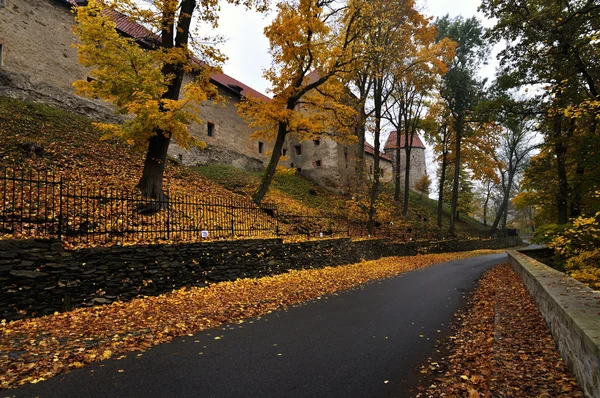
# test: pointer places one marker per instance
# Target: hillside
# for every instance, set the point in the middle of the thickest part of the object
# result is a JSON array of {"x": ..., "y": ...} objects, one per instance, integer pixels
[{"x": 39, "y": 137}]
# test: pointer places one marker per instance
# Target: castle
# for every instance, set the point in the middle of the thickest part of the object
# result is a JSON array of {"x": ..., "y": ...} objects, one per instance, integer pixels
[{"x": 39, "y": 63}]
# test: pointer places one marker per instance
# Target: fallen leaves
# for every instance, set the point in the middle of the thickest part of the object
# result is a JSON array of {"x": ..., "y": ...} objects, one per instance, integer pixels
[
  {"x": 44, "y": 347},
  {"x": 497, "y": 353}
]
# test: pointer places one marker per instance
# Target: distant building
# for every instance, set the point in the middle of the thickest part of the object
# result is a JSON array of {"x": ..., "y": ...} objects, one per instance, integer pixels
[
  {"x": 418, "y": 166},
  {"x": 39, "y": 63}
]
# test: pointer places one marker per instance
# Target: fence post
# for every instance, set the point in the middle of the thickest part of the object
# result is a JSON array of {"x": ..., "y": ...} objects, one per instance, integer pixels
[
  {"x": 60, "y": 208},
  {"x": 170, "y": 199}
]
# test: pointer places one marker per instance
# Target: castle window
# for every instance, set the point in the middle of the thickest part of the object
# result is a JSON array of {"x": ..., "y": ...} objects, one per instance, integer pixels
[
  {"x": 370, "y": 169},
  {"x": 346, "y": 154},
  {"x": 261, "y": 147},
  {"x": 298, "y": 149},
  {"x": 317, "y": 163},
  {"x": 299, "y": 170},
  {"x": 292, "y": 165},
  {"x": 1, "y": 53},
  {"x": 317, "y": 142},
  {"x": 210, "y": 129},
  {"x": 381, "y": 171},
  {"x": 283, "y": 152}
]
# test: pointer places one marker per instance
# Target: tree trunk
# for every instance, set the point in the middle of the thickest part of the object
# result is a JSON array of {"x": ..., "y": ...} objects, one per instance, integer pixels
[
  {"x": 150, "y": 183},
  {"x": 455, "y": 185},
  {"x": 397, "y": 167},
  {"x": 485, "y": 204},
  {"x": 360, "y": 161},
  {"x": 375, "y": 187},
  {"x": 563, "y": 184},
  {"x": 261, "y": 191},
  {"x": 407, "y": 150},
  {"x": 440, "y": 207}
]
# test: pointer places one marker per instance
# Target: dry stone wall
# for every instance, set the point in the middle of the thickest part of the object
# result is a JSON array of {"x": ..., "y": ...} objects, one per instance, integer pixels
[{"x": 38, "y": 277}]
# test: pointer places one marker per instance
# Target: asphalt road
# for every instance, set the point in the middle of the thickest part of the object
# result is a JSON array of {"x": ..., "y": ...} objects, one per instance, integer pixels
[{"x": 365, "y": 342}]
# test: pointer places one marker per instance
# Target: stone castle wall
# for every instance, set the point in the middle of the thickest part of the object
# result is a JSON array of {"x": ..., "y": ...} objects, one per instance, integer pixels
[
  {"x": 418, "y": 167},
  {"x": 39, "y": 64}
]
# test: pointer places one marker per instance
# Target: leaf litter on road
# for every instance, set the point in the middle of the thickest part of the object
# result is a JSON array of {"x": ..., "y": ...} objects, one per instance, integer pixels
[{"x": 502, "y": 348}]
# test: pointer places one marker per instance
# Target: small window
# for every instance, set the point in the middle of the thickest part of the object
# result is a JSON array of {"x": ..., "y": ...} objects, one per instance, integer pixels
[
  {"x": 346, "y": 153},
  {"x": 317, "y": 142},
  {"x": 381, "y": 171},
  {"x": 299, "y": 170},
  {"x": 370, "y": 169},
  {"x": 211, "y": 129},
  {"x": 1, "y": 53},
  {"x": 317, "y": 163},
  {"x": 298, "y": 149},
  {"x": 292, "y": 165},
  {"x": 261, "y": 147},
  {"x": 283, "y": 152}
]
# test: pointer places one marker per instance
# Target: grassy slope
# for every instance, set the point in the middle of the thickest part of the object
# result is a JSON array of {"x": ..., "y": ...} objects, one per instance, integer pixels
[{"x": 72, "y": 148}]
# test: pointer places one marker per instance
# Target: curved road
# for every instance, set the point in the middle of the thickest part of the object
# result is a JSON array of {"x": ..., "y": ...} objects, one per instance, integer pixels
[{"x": 364, "y": 342}]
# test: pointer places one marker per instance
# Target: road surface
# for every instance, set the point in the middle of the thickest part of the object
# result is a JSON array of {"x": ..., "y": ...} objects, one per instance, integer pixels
[{"x": 364, "y": 342}]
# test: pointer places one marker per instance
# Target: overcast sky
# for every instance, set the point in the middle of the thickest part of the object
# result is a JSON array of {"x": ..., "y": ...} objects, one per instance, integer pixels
[{"x": 247, "y": 47}]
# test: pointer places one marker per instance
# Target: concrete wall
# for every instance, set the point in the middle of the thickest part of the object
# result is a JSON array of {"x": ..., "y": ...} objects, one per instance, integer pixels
[
  {"x": 572, "y": 312},
  {"x": 39, "y": 277}
]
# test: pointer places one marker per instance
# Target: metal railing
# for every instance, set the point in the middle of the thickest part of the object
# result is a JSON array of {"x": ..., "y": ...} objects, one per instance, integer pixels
[{"x": 43, "y": 205}]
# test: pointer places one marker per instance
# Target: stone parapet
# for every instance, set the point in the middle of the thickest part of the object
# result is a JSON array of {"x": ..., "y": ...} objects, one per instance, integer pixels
[{"x": 572, "y": 312}]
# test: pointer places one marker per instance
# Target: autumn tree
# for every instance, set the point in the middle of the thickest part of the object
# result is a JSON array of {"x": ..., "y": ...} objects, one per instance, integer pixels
[
  {"x": 461, "y": 89},
  {"x": 397, "y": 38},
  {"x": 310, "y": 42},
  {"x": 143, "y": 76},
  {"x": 553, "y": 45},
  {"x": 439, "y": 132},
  {"x": 512, "y": 157},
  {"x": 423, "y": 185},
  {"x": 415, "y": 77}
]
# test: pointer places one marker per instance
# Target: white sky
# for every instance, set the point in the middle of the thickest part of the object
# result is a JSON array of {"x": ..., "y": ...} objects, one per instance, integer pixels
[{"x": 247, "y": 47}]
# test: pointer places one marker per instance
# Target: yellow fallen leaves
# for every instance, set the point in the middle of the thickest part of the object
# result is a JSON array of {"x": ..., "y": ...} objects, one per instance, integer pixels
[{"x": 90, "y": 334}]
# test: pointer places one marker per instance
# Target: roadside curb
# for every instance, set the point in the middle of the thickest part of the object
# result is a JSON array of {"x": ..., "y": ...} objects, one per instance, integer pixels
[{"x": 572, "y": 312}]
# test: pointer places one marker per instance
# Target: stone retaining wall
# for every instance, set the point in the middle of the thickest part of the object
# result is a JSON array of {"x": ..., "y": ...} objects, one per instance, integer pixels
[
  {"x": 572, "y": 312},
  {"x": 38, "y": 277}
]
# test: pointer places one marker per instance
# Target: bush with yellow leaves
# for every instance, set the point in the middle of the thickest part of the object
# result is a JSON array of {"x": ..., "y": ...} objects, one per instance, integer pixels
[{"x": 578, "y": 248}]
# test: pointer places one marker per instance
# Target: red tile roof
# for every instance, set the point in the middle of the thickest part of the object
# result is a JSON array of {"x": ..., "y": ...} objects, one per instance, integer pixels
[
  {"x": 236, "y": 85},
  {"x": 371, "y": 150},
  {"x": 140, "y": 33},
  {"x": 132, "y": 29},
  {"x": 391, "y": 141}
]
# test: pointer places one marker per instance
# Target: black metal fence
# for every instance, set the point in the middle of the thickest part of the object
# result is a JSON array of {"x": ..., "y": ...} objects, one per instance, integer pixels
[{"x": 42, "y": 205}]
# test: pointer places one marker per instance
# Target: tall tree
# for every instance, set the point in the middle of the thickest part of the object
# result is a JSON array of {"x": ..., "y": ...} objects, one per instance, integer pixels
[
  {"x": 512, "y": 157},
  {"x": 311, "y": 48},
  {"x": 553, "y": 44},
  {"x": 415, "y": 76},
  {"x": 439, "y": 132},
  {"x": 143, "y": 76},
  {"x": 461, "y": 89}
]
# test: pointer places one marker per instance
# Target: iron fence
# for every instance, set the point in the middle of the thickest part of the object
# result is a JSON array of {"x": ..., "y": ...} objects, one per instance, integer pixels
[{"x": 43, "y": 205}]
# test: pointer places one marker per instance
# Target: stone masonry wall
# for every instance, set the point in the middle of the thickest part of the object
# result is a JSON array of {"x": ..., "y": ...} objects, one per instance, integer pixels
[
  {"x": 38, "y": 277},
  {"x": 571, "y": 311}
]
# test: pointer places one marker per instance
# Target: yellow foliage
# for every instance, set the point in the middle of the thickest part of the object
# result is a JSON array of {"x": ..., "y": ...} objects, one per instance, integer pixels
[{"x": 578, "y": 245}]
